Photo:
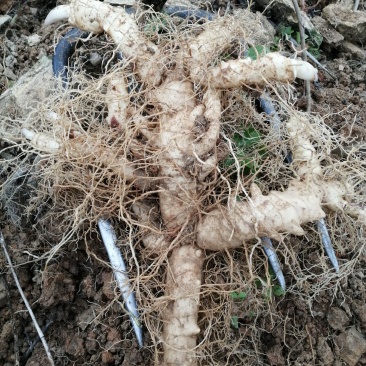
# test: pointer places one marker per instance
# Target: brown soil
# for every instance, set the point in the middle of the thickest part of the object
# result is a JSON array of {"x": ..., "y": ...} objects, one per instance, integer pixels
[{"x": 73, "y": 296}]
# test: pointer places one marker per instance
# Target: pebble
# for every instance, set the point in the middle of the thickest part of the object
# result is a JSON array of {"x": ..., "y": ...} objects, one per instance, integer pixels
[
  {"x": 351, "y": 345},
  {"x": 95, "y": 58},
  {"x": 10, "y": 61},
  {"x": 324, "y": 351},
  {"x": 11, "y": 46},
  {"x": 33, "y": 40},
  {"x": 9, "y": 74},
  {"x": 4, "y": 19},
  {"x": 107, "y": 357},
  {"x": 337, "y": 318},
  {"x": 33, "y": 10}
]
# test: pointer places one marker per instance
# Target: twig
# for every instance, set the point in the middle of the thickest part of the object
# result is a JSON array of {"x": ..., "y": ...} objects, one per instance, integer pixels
[
  {"x": 357, "y": 3},
  {"x": 36, "y": 325},
  {"x": 16, "y": 341},
  {"x": 304, "y": 55}
]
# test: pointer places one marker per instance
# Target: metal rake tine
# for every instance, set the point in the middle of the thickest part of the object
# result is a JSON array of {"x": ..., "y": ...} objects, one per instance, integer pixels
[
  {"x": 327, "y": 243},
  {"x": 109, "y": 239},
  {"x": 268, "y": 108},
  {"x": 273, "y": 260},
  {"x": 60, "y": 61}
]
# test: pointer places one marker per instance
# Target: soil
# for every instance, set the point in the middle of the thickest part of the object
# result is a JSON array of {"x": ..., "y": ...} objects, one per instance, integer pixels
[{"x": 73, "y": 296}]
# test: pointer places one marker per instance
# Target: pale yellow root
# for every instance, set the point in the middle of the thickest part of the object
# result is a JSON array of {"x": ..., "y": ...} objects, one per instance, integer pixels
[
  {"x": 148, "y": 222},
  {"x": 218, "y": 34},
  {"x": 235, "y": 73},
  {"x": 82, "y": 146},
  {"x": 183, "y": 285},
  {"x": 117, "y": 100},
  {"x": 96, "y": 17},
  {"x": 270, "y": 215},
  {"x": 278, "y": 212},
  {"x": 184, "y": 136}
]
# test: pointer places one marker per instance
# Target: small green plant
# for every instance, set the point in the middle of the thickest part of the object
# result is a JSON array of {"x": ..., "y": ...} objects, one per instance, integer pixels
[
  {"x": 237, "y": 296},
  {"x": 156, "y": 24},
  {"x": 314, "y": 39},
  {"x": 274, "y": 290},
  {"x": 257, "y": 51},
  {"x": 249, "y": 151}
]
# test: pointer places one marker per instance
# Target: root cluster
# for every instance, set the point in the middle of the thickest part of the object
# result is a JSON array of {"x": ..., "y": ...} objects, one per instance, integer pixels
[{"x": 113, "y": 162}]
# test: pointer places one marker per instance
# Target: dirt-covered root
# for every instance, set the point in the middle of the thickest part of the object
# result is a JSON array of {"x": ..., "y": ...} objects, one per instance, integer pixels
[
  {"x": 265, "y": 215},
  {"x": 179, "y": 134},
  {"x": 272, "y": 66},
  {"x": 97, "y": 17},
  {"x": 183, "y": 283},
  {"x": 279, "y": 211}
]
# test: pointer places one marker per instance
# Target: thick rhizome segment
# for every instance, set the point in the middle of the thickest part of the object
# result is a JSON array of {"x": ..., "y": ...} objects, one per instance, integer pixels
[{"x": 186, "y": 164}]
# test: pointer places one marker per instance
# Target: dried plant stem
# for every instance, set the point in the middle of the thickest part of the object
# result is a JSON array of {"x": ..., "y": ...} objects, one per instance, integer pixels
[
  {"x": 303, "y": 54},
  {"x": 36, "y": 325}
]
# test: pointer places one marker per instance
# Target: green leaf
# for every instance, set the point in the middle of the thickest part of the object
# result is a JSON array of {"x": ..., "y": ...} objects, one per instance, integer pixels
[
  {"x": 239, "y": 295},
  {"x": 285, "y": 31},
  {"x": 235, "y": 321},
  {"x": 315, "y": 37},
  {"x": 256, "y": 51},
  {"x": 278, "y": 290}
]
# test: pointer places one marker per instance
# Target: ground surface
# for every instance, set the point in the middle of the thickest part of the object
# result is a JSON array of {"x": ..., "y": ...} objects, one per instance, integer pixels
[{"x": 74, "y": 297}]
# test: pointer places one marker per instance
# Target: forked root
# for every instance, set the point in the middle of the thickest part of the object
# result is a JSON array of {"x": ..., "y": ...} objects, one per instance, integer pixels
[
  {"x": 271, "y": 215},
  {"x": 182, "y": 129},
  {"x": 279, "y": 212}
]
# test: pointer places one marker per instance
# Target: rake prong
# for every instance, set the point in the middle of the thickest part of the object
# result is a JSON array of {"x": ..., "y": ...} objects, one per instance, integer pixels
[
  {"x": 109, "y": 239},
  {"x": 268, "y": 108},
  {"x": 273, "y": 260},
  {"x": 327, "y": 244}
]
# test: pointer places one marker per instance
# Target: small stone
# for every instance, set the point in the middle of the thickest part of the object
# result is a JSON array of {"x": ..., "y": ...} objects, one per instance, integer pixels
[
  {"x": 359, "y": 308},
  {"x": 108, "y": 285},
  {"x": 75, "y": 346},
  {"x": 33, "y": 40},
  {"x": 95, "y": 58},
  {"x": 86, "y": 318},
  {"x": 324, "y": 351},
  {"x": 351, "y": 345},
  {"x": 7, "y": 331},
  {"x": 33, "y": 10},
  {"x": 275, "y": 356},
  {"x": 5, "y": 19},
  {"x": 11, "y": 46},
  {"x": 330, "y": 35},
  {"x": 107, "y": 357},
  {"x": 113, "y": 335},
  {"x": 5, "y": 5},
  {"x": 351, "y": 24},
  {"x": 10, "y": 61},
  {"x": 9, "y": 74},
  {"x": 337, "y": 318},
  {"x": 353, "y": 50}
]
